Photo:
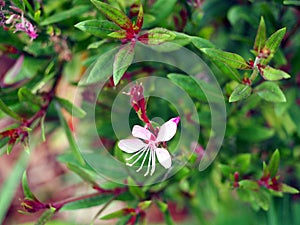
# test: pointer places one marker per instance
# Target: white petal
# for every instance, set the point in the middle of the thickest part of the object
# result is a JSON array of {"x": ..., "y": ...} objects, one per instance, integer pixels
[
  {"x": 153, "y": 162},
  {"x": 141, "y": 132},
  {"x": 131, "y": 145},
  {"x": 163, "y": 157},
  {"x": 166, "y": 131},
  {"x": 149, "y": 161}
]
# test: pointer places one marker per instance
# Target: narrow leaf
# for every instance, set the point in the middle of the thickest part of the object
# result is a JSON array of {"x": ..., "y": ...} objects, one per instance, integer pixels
[
  {"x": 135, "y": 189},
  {"x": 88, "y": 202},
  {"x": 25, "y": 94},
  {"x": 201, "y": 43},
  {"x": 114, "y": 14},
  {"x": 260, "y": 36},
  {"x": 163, "y": 207},
  {"x": 26, "y": 190},
  {"x": 270, "y": 91},
  {"x": 241, "y": 91},
  {"x": 270, "y": 73},
  {"x": 140, "y": 19},
  {"x": 274, "y": 163},
  {"x": 67, "y": 14},
  {"x": 120, "y": 34},
  {"x": 4, "y": 108},
  {"x": 295, "y": 3},
  {"x": 123, "y": 60},
  {"x": 288, "y": 189},
  {"x": 227, "y": 70},
  {"x": 231, "y": 59},
  {"x": 82, "y": 173},
  {"x": 71, "y": 108},
  {"x": 249, "y": 184},
  {"x": 157, "y": 36},
  {"x": 43, "y": 128},
  {"x": 145, "y": 204},
  {"x": 70, "y": 137},
  {"x": 99, "y": 28},
  {"x": 113, "y": 215}
]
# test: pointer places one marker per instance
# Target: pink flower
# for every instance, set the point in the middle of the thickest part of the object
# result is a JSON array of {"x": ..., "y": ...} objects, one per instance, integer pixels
[{"x": 150, "y": 145}]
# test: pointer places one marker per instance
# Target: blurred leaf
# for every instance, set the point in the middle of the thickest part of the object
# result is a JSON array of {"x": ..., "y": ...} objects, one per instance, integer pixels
[
  {"x": 161, "y": 9},
  {"x": 11, "y": 183},
  {"x": 134, "y": 189},
  {"x": 71, "y": 108},
  {"x": 99, "y": 28},
  {"x": 270, "y": 91},
  {"x": 25, "y": 94},
  {"x": 157, "y": 36},
  {"x": 227, "y": 70},
  {"x": 255, "y": 133},
  {"x": 116, "y": 214},
  {"x": 272, "y": 74},
  {"x": 18, "y": 4},
  {"x": 260, "y": 36},
  {"x": 243, "y": 162},
  {"x": 114, "y": 14},
  {"x": 249, "y": 184},
  {"x": 144, "y": 205},
  {"x": 26, "y": 190},
  {"x": 43, "y": 128},
  {"x": 240, "y": 92},
  {"x": 67, "y": 14},
  {"x": 288, "y": 189},
  {"x": 201, "y": 43},
  {"x": 274, "y": 163},
  {"x": 295, "y": 3},
  {"x": 123, "y": 60},
  {"x": 75, "y": 150},
  {"x": 46, "y": 216},
  {"x": 262, "y": 198},
  {"x": 188, "y": 84},
  {"x": 88, "y": 202},
  {"x": 4, "y": 108},
  {"x": 163, "y": 207},
  {"x": 84, "y": 174},
  {"x": 231, "y": 59}
]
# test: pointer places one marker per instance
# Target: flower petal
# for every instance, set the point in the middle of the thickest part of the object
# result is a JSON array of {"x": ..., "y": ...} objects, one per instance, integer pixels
[
  {"x": 131, "y": 145},
  {"x": 167, "y": 131},
  {"x": 141, "y": 132},
  {"x": 163, "y": 157}
]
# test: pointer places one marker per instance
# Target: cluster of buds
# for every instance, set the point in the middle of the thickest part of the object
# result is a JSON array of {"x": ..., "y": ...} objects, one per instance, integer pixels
[
  {"x": 137, "y": 101},
  {"x": 20, "y": 133},
  {"x": 269, "y": 183}
]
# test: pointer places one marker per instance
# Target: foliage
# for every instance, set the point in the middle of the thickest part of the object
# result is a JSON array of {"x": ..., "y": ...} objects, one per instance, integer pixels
[{"x": 251, "y": 47}]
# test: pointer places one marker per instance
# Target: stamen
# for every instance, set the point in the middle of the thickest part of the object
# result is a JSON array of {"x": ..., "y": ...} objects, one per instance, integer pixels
[
  {"x": 137, "y": 159},
  {"x": 153, "y": 163},
  {"x": 135, "y": 154},
  {"x": 139, "y": 169},
  {"x": 149, "y": 161}
]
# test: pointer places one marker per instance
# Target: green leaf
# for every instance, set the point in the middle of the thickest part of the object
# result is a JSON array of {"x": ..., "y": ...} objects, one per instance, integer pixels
[
  {"x": 260, "y": 36},
  {"x": 114, "y": 14},
  {"x": 72, "y": 109},
  {"x": 140, "y": 19},
  {"x": 255, "y": 133},
  {"x": 25, "y": 94},
  {"x": 249, "y": 184},
  {"x": 26, "y": 190},
  {"x": 102, "y": 69},
  {"x": 201, "y": 43},
  {"x": 227, "y": 70},
  {"x": 113, "y": 215},
  {"x": 274, "y": 163},
  {"x": 273, "y": 43},
  {"x": 188, "y": 84},
  {"x": 18, "y": 4},
  {"x": 123, "y": 60},
  {"x": 99, "y": 28},
  {"x": 295, "y": 3},
  {"x": 67, "y": 14},
  {"x": 270, "y": 91},
  {"x": 4, "y": 108},
  {"x": 240, "y": 92},
  {"x": 288, "y": 189},
  {"x": 161, "y": 9},
  {"x": 157, "y": 36},
  {"x": 243, "y": 162},
  {"x": 118, "y": 34},
  {"x": 43, "y": 128},
  {"x": 272, "y": 74},
  {"x": 135, "y": 189},
  {"x": 11, "y": 184},
  {"x": 231, "y": 59},
  {"x": 75, "y": 150},
  {"x": 145, "y": 204},
  {"x": 262, "y": 198},
  {"x": 88, "y": 202},
  {"x": 84, "y": 174},
  {"x": 46, "y": 216}
]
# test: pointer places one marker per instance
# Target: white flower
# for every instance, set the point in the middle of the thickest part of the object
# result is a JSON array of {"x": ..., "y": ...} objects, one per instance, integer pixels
[{"x": 150, "y": 145}]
